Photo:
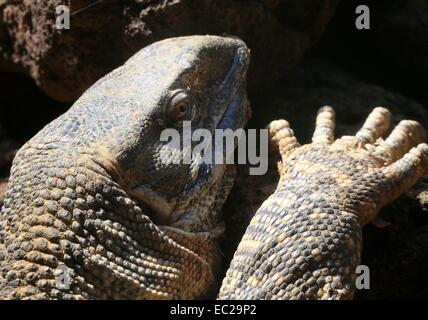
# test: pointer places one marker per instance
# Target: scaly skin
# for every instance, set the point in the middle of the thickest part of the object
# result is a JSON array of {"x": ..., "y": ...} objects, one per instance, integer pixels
[
  {"x": 95, "y": 207},
  {"x": 305, "y": 240}
]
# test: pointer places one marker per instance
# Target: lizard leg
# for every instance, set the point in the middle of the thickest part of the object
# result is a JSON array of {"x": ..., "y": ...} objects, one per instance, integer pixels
[
  {"x": 405, "y": 135},
  {"x": 324, "y": 127}
]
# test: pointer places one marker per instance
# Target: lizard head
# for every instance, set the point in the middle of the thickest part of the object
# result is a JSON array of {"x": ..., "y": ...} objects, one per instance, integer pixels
[
  {"x": 178, "y": 84},
  {"x": 196, "y": 80},
  {"x": 181, "y": 84}
]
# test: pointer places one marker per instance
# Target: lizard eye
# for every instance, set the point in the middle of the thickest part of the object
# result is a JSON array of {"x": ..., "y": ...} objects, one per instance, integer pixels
[{"x": 179, "y": 107}]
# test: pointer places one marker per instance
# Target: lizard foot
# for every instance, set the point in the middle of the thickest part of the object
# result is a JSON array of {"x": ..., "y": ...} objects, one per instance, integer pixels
[
  {"x": 394, "y": 163},
  {"x": 305, "y": 241}
]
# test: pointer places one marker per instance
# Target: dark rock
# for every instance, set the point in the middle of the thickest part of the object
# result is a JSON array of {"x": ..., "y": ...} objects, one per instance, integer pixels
[
  {"x": 24, "y": 108},
  {"x": 401, "y": 42},
  {"x": 66, "y": 62},
  {"x": 316, "y": 83},
  {"x": 394, "y": 52}
]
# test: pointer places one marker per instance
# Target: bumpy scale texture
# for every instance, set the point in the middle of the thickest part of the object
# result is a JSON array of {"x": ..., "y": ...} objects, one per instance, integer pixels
[
  {"x": 81, "y": 220},
  {"x": 96, "y": 209},
  {"x": 305, "y": 240}
]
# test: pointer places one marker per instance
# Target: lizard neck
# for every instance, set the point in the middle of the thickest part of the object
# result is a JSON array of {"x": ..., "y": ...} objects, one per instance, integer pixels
[{"x": 68, "y": 231}]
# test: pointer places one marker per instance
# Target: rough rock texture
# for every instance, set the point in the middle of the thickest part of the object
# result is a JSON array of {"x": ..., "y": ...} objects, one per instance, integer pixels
[
  {"x": 5, "y": 59},
  {"x": 389, "y": 251},
  {"x": 65, "y": 63}
]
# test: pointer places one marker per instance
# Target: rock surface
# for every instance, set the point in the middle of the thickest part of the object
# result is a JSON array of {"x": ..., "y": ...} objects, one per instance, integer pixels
[
  {"x": 66, "y": 62},
  {"x": 400, "y": 39}
]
